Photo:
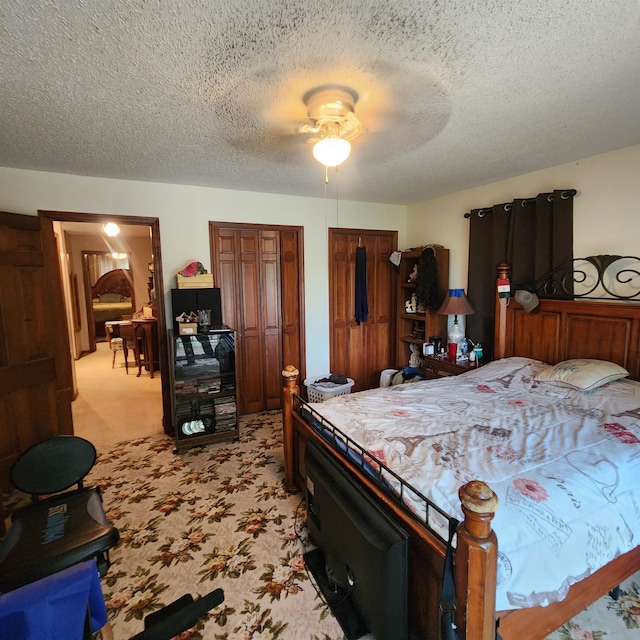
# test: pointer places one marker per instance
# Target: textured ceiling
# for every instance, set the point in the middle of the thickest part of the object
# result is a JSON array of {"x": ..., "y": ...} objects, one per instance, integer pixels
[{"x": 453, "y": 94}]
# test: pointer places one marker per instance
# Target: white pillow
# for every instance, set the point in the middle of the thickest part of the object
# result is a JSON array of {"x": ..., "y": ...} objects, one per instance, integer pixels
[{"x": 582, "y": 374}]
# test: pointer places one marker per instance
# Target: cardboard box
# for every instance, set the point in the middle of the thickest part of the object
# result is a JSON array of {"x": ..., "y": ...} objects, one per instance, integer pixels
[
  {"x": 187, "y": 328},
  {"x": 201, "y": 281}
]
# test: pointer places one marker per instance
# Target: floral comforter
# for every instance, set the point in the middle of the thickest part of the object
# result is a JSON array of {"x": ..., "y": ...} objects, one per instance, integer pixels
[{"x": 564, "y": 464}]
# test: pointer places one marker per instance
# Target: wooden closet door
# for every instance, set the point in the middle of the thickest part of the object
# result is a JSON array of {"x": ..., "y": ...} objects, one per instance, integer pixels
[
  {"x": 271, "y": 320},
  {"x": 249, "y": 328},
  {"x": 260, "y": 289},
  {"x": 361, "y": 351},
  {"x": 291, "y": 270}
]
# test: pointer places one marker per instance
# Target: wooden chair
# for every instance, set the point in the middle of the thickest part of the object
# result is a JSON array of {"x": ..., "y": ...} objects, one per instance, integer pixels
[{"x": 117, "y": 343}]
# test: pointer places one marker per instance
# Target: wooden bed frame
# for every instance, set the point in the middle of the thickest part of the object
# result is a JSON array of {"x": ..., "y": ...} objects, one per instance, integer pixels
[
  {"x": 117, "y": 281},
  {"x": 556, "y": 330}
]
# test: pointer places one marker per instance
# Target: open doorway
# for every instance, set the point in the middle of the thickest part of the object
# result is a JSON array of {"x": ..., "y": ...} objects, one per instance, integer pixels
[
  {"x": 112, "y": 402},
  {"x": 109, "y": 288}
]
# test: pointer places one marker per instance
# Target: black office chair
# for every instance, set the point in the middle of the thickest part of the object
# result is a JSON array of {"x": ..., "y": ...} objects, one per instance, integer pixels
[{"x": 55, "y": 532}]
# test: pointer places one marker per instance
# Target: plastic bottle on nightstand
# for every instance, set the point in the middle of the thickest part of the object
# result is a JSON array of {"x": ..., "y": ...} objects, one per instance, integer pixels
[{"x": 455, "y": 335}]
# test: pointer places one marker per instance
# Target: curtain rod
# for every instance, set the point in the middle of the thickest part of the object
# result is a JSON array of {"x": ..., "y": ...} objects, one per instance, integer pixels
[{"x": 567, "y": 193}]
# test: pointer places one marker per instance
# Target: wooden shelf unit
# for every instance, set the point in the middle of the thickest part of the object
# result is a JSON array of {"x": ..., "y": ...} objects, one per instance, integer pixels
[
  {"x": 415, "y": 328},
  {"x": 203, "y": 388}
]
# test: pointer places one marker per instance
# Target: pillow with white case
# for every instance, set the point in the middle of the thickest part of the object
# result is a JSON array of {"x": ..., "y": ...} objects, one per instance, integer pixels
[{"x": 582, "y": 374}]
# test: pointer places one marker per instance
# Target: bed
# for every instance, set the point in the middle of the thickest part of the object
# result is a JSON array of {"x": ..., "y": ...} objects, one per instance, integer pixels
[
  {"x": 601, "y": 427},
  {"x": 111, "y": 298}
]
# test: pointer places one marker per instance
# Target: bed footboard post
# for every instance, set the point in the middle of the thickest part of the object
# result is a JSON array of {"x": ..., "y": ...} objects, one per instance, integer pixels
[
  {"x": 476, "y": 563},
  {"x": 290, "y": 375}
]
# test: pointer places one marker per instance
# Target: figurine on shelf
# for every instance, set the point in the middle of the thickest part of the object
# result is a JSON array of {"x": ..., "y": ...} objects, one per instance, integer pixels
[
  {"x": 413, "y": 276},
  {"x": 418, "y": 330},
  {"x": 414, "y": 358},
  {"x": 412, "y": 306}
]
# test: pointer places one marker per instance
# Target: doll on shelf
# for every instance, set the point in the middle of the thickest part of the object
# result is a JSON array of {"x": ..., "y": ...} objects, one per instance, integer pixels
[
  {"x": 413, "y": 276},
  {"x": 414, "y": 358}
]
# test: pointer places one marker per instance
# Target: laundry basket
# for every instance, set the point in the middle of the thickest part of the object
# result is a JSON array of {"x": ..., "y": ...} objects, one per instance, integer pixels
[{"x": 319, "y": 392}]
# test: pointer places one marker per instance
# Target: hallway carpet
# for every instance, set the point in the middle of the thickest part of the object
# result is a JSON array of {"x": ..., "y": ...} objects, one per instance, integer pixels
[{"x": 111, "y": 405}]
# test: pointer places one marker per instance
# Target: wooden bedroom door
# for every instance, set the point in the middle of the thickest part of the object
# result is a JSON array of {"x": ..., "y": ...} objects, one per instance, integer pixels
[
  {"x": 35, "y": 358},
  {"x": 258, "y": 271},
  {"x": 361, "y": 351}
]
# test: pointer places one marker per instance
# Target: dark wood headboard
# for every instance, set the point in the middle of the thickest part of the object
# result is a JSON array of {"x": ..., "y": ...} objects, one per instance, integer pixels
[
  {"x": 116, "y": 281},
  {"x": 557, "y": 330}
]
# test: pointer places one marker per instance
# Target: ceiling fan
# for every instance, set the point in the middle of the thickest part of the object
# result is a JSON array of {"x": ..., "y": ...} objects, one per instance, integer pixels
[{"x": 331, "y": 109}]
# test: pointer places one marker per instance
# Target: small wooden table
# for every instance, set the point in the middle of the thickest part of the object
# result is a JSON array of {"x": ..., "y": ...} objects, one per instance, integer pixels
[{"x": 144, "y": 329}]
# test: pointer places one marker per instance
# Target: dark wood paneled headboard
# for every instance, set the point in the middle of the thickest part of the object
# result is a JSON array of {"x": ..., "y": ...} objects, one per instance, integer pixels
[
  {"x": 116, "y": 281},
  {"x": 557, "y": 330}
]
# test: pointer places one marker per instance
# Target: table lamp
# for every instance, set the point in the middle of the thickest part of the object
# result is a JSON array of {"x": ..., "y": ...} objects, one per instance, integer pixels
[{"x": 456, "y": 304}]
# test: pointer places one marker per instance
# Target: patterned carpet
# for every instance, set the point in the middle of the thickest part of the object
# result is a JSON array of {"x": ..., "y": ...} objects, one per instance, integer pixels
[
  {"x": 217, "y": 516},
  {"x": 214, "y": 516}
]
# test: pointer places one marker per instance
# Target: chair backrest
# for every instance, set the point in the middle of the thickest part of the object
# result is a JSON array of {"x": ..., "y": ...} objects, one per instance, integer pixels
[{"x": 53, "y": 465}]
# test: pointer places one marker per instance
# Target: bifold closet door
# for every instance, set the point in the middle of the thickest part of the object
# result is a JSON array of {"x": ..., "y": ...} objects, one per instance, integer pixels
[
  {"x": 259, "y": 272},
  {"x": 249, "y": 279}
]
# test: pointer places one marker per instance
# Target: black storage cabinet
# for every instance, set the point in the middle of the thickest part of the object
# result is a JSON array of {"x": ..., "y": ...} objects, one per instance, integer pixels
[
  {"x": 188, "y": 300},
  {"x": 203, "y": 387}
]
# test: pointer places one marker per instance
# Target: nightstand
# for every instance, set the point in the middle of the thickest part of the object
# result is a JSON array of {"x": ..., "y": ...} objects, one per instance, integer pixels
[{"x": 436, "y": 368}]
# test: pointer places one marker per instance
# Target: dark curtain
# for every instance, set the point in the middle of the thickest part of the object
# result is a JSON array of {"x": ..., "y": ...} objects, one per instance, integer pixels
[{"x": 533, "y": 235}]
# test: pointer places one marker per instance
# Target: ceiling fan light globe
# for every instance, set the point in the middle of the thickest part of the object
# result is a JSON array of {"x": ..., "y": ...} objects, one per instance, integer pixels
[{"x": 331, "y": 151}]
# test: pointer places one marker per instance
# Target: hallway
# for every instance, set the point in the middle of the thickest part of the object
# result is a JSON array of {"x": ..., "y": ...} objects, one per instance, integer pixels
[{"x": 112, "y": 406}]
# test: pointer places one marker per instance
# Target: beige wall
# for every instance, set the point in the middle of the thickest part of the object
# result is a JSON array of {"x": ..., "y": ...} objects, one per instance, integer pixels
[
  {"x": 606, "y": 218},
  {"x": 606, "y": 208},
  {"x": 184, "y": 213}
]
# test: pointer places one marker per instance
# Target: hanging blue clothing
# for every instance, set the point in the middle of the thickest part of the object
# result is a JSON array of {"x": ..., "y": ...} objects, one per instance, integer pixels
[{"x": 362, "y": 305}]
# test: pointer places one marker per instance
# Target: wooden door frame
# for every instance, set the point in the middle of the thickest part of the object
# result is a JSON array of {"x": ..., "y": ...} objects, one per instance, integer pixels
[
  {"x": 47, "y": 218},
  {"x": 299, "y": 231}
]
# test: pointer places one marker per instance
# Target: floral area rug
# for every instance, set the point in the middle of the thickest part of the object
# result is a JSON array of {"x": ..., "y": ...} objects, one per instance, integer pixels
[
  {"x": 607, "y": 618},
  {"x": 217, "y": 516},
  {"x": 210, "y": 517}
]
